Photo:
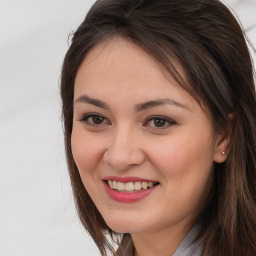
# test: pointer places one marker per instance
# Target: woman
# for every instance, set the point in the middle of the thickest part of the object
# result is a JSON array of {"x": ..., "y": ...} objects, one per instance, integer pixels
[{"x": 159, "y": 113}]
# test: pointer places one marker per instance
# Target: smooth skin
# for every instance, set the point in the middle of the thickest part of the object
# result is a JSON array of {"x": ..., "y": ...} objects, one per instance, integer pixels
[{"x": 118, "y": 131}]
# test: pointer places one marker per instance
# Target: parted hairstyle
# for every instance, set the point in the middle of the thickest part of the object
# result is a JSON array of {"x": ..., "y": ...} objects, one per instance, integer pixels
[{"x": 207, "y": 42}]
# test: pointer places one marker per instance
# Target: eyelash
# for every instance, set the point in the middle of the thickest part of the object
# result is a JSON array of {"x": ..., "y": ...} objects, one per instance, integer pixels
[
  {"x": 86, "y": 118},
  {"x": 167, "y": 122}
]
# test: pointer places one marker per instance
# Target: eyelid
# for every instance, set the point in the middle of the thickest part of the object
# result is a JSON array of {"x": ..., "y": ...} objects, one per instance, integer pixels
[
  {"x": 168, "y": 120},
  {"x": 86, "y": 117},
  {"x": 94, "y": 114}
]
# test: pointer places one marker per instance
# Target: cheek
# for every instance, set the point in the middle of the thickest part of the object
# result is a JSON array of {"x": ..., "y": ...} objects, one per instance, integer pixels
[
  {"x": 185, "y": 163},
  {"x": 172, "y": 157},
  {"x": 86, "y": 151},
  {"x": 185, "y": 174},
  {"x": 87, "y": 156}
]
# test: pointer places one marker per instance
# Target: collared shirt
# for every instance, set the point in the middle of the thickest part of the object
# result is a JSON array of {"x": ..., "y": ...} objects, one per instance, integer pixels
[{"x": 187, "y": 247}]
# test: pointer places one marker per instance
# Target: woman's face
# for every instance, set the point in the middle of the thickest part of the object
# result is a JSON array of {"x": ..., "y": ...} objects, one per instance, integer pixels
[{"x": 143, "y": 134}]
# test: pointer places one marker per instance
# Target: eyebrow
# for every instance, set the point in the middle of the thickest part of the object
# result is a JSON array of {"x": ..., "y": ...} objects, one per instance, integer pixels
[
  {"x": 160, "y": 102},
  {"x": 138, "y": 107},
  {"x": 92, "y": 101}
]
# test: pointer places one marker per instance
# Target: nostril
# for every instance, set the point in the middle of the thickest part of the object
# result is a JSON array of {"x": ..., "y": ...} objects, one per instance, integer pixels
[{"x": 123, "y": 158}]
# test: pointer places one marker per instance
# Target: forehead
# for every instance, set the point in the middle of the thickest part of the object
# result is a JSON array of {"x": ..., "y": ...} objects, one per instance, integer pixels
[
  {"x": 116, "y": 56},
  {"x": 123, "y": 63}
]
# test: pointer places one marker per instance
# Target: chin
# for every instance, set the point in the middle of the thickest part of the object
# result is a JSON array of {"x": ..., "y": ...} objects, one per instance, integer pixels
[
  {"x": 125, "y": 228},
  {"x": 125, "y": 225}
]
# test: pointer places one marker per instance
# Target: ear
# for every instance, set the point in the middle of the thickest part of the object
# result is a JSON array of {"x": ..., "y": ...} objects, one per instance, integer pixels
[{"x": 222, "y": 147}]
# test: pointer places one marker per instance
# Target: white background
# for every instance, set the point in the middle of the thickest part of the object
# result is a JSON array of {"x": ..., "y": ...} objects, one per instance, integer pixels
[{"x": 37, "y": 215}]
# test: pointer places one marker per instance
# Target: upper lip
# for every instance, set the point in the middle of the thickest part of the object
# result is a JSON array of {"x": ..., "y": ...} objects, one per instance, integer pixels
[{"x": 127, "y": 179}]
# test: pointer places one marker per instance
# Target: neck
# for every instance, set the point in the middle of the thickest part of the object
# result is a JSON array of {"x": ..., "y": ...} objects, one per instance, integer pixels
[{"x": 162, "y": 242}]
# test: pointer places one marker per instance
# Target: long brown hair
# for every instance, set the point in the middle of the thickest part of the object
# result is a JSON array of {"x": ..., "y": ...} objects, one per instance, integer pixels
[{"x": 209, "y": 44}]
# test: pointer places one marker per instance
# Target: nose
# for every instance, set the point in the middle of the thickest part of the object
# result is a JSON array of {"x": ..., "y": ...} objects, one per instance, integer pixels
[{"x": 124, "y": 150}]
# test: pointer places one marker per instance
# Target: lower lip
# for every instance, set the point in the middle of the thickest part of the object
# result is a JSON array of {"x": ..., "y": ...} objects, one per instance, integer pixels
[{"x": 128, "y": 197}]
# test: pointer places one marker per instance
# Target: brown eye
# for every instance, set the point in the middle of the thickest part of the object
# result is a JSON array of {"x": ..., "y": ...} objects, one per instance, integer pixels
[
  {"x": 94, "y": 120},
  {"x": 97, "y": 119},
  {"x": 159, "y": 122}
]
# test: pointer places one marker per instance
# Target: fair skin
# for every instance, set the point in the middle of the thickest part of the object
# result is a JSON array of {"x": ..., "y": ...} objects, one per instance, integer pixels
[{"x": 170, "y": 142}]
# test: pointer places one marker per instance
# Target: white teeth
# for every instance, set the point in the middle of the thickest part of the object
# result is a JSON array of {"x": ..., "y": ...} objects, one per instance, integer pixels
[
  {"x": 144, "y": 185},
  {"x": 137, "y": 185},
  {"x": 110, "y": 183},
  {"x": 130, "y": 186},
  {"x": 114, "y": 184},
  {"x": 120, "y": 186},
  {"x": 150, "y": 184}
]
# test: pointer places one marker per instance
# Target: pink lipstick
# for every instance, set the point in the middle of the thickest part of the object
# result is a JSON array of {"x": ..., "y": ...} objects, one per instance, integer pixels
[{"x": 128, "y": 189}]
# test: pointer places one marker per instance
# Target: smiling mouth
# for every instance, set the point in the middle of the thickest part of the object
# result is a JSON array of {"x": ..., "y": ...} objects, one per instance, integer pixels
[{"x": 130, "y": 187}]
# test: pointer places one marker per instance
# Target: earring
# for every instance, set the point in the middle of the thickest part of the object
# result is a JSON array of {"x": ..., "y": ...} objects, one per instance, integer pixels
[{"x": 223, "y": 152}]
